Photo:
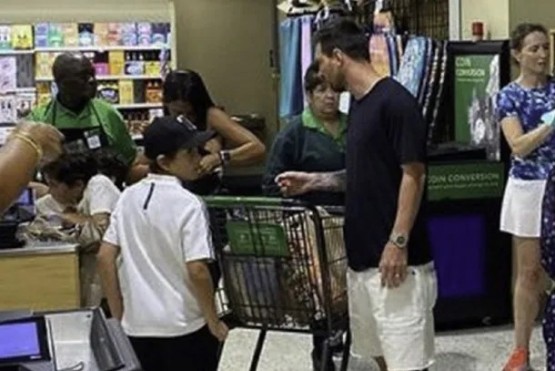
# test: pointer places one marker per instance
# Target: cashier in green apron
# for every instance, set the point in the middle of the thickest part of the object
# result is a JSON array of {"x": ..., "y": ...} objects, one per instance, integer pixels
[{"x": 87, "y": 123}]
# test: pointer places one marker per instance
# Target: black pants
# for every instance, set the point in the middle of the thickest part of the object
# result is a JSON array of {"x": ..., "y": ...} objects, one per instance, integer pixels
[{"x": 198, "y": 351}]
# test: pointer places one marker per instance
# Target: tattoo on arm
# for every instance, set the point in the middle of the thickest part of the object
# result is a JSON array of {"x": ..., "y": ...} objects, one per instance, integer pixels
[{"x": 333, "y": 182}]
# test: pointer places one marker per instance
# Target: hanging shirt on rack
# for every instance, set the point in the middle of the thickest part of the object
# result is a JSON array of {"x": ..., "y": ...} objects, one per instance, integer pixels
[
  {"x": 291, "y": 96},
  {"x": 99, "y": 125},
  {"x": 307, "y": 55}
]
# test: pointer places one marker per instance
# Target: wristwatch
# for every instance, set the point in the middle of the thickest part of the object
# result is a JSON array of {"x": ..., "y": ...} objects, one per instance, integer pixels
[
  {"x": 400, "y": 240},
  {"x": 225, "y": 157}
]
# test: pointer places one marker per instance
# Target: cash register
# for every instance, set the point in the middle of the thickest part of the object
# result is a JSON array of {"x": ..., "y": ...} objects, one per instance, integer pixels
[{"x": 64, "y": 341}]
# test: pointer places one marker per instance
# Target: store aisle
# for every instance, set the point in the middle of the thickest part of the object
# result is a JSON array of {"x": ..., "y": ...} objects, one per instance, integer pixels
[{"x": 473, "y": 350}]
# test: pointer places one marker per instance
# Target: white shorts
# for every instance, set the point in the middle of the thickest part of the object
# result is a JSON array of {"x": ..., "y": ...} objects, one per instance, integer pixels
[
  {"x": 522, "y": 207},
  {"x": 397, "y": 324}
]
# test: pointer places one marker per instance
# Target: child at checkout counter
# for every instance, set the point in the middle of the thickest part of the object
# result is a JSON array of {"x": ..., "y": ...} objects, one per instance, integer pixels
[{"x": 80, "y": 203}]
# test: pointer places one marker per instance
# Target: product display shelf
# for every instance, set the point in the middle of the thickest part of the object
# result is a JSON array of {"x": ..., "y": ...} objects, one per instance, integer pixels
[
  {"x": 138, "y": 106},
  {"x": 18, "y": 90},
  {"x": 97, "y": 48},
  {"x": 110, "y": 78},
  {"x": 16, "y": 51}
]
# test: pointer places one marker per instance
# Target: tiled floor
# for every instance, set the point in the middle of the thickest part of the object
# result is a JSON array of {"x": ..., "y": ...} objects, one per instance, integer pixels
[{"x": 471, "y": 350}]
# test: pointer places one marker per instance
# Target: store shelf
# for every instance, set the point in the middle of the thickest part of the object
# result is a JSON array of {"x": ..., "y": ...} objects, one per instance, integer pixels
[
  {"x": 101, "y": 48},
  {"x": 139, "y": 106},
  {"x": 137, "y": 137},
  {"x": 18, "y": 90},
  {"x": 16, "y": 52},
  {"x": 109, "y": 78}
]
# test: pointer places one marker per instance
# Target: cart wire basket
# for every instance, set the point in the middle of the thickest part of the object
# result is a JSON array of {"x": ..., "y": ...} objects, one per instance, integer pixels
[{"x": 283, "y": 265}]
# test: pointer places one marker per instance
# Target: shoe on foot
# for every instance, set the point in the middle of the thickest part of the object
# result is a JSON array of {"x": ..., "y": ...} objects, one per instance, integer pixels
[{"x": 518, "y": 361}]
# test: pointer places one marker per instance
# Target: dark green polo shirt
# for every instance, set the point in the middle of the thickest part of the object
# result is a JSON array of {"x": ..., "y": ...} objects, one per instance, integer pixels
[
  {"x": 306, "y": 145},
  {"x": 106, "y": 116}
]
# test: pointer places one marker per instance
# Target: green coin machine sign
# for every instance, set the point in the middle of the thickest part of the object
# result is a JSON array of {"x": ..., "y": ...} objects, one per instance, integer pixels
[{"x": 466, "y": 183}]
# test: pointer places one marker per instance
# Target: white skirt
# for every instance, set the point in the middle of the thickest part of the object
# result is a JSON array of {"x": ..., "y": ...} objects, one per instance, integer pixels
[{"x": 522, "y": 207}]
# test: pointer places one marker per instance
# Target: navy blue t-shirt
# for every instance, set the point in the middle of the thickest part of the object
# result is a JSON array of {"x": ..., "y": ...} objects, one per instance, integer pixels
[{"x": 385, "y": 130}]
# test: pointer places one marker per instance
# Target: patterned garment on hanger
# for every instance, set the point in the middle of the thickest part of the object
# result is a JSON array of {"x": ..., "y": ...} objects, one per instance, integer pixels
[
  {"x": 379, "y": 54},
  {"x": 412, "y": 68}
]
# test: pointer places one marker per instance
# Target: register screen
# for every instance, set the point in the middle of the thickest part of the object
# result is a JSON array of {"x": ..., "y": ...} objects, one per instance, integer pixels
[{"x": 19, "y": 340}]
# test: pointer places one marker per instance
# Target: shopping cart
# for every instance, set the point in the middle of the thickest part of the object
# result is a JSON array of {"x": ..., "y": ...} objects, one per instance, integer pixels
[{"x": 283, "y": 267}]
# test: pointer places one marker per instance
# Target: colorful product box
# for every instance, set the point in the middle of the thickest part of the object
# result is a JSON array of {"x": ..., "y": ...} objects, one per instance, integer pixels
[
  {"x": 55, "y": 35},
  {"x": 144, "y": 31},
  {"x": 116, "y": 60},
  {"x": 22, "y": 36},
  {"x": 126, "y": 89},
  {"x": 114, "y": 34},
  {"x": 86, "y": 34},
  {"x": 101, "y": 34},
  {"x": 70, "y": 34},
  {"x": 128, "y": 33},
  {"x": 5, "y": 37},
  {"x": 41, "y": 35}
]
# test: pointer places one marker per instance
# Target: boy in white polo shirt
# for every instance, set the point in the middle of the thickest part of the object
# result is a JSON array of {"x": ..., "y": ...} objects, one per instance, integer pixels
[{"x": 161, "y": 290}]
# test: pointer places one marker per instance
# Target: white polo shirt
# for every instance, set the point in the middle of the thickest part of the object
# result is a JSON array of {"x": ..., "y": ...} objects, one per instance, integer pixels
[{"x": 159, "y": 226}]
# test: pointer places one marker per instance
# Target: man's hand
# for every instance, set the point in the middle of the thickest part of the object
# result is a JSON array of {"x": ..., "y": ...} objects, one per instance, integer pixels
[
  {"x": 295, "y": 183},
  {"x": 218, "y": 329},
  {"x": 45, "y": 136},
  {"x": 393, "y": 266}
]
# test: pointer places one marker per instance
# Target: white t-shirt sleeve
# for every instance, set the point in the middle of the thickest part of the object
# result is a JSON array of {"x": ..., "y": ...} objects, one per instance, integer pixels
[
  {"x": 196, "y": 236},
  {"x": 103, "y": 195},
  {"x": 112, "y": 235}
]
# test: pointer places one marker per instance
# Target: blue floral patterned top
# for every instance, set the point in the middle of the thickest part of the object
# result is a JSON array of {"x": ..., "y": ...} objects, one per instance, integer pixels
[
  {"x": 528, "y": 105},
  {"x": 548, "y": 227}
]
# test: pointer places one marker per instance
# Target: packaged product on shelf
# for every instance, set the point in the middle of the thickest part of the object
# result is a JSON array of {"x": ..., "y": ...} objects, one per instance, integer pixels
[
  {"x": 134, "y": 64},
  {"x": 126, "y": 95},
  {"x": 129, "y": 34},
  {"x": 8, "y": 74},
  {"x": 152, "y": 64},
  {"x": 159, "y": 33},
  {"x": 116, "y": 59},
  {"x": 101, "y": 34},
  {"x": 139, "y": 91},
  {"x": 109, "y": 91},
  {"x": 101, "y": 64},
  {"x": 55, "y": 35},
  {"x": 114, "y": 34},
  {"x": 5, "y": 37},
  {"x": 25, "y": 70},
  {"x": 25, "y": 102},
  {"x": 144, "y": 30},
  {"x": 86, "y": 34},
  {"x": 22, "y": 36},
  {"x": 70, "y": 32},
  {"x": 153, "y": 92},
  {"x": 8, "y": 110},
  {"x": 154, "y": 113},
  {"x": 41, "y": 34}
]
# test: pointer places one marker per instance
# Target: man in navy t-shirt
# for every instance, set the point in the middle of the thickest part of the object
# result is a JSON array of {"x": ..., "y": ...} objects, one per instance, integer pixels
[{"x": 392, "y": 282}]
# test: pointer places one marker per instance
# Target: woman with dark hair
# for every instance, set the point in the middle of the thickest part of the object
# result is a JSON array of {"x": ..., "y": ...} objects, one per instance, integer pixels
[
  {"x": 313, "y": 142},
  {"x": 186, "y": 94},
  {"x": 521, "y": 110}
]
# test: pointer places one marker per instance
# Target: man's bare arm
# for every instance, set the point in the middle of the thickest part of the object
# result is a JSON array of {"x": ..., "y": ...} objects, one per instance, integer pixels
[{"x": 331, "y": 182}]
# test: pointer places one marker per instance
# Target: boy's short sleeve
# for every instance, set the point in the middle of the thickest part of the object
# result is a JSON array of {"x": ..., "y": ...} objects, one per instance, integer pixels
[
  {"x": 196, "y": 236},
  {"x": 112, "y": 236},
  {"x": 103, "y": 195}
]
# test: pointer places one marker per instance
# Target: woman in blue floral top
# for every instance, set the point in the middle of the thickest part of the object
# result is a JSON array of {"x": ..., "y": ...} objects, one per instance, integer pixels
[{"x": 521, "y": 109}]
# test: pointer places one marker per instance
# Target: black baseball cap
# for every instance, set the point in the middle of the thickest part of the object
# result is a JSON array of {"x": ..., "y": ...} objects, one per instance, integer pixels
[{"x": 167, "y": 135}]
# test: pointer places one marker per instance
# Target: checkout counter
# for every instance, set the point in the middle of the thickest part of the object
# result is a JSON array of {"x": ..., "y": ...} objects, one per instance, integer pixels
[
  {"x": 53, "y": 283},
  {"x": 64, "y": 341}
]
